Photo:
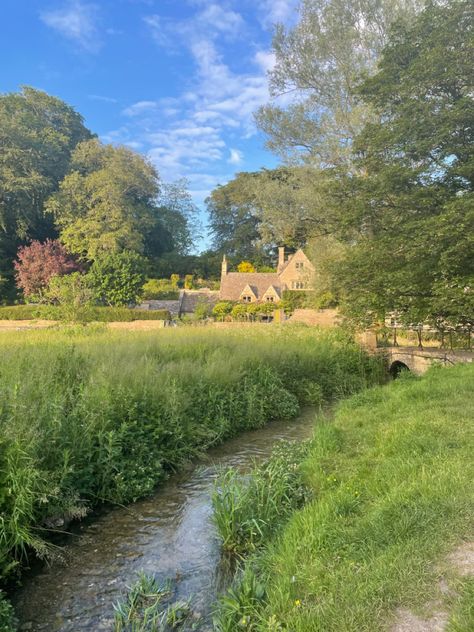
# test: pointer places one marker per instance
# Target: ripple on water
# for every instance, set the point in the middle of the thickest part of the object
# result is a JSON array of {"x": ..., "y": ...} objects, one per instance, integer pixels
[{"x": 169, "y": 535}]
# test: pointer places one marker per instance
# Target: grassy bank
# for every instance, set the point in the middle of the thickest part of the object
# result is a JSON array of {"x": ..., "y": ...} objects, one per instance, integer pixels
[
  {"x": 391, "y": 479},
  {"x": 90, "y": 416}
]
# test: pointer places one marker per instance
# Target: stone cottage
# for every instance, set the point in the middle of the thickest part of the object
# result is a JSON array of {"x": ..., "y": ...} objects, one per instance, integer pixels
[{"x": 294, "y": 272}]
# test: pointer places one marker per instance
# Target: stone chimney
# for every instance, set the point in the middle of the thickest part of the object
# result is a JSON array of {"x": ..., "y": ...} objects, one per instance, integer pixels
[
  {"x": 224, "y": 267},
  {"x": 281, "y": 258}
]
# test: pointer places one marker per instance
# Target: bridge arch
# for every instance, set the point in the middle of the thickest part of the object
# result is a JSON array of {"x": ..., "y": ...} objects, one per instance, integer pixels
[{"x": 398, "y": 367}]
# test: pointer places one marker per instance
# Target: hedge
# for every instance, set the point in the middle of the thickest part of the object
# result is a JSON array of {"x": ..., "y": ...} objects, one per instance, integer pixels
[{"x": 94, "y": 314}]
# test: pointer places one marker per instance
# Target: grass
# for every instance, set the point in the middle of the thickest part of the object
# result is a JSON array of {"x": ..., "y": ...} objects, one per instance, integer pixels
[
  {"x": 275, "y": 488},
  {"x": 147, "y": 608},
  {"x": 391, "y": 478},
  {"x": 462, "y": 612},
  {"x": 90, "y": 416}
]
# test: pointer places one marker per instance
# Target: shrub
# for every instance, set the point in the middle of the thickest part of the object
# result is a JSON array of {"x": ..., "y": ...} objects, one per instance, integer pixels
[
  {"x": 222, "y": 309},
  {"x": 117, "y": 278},
  {"x": 73, "y": 294},
  {"x": 159, "y": 289},
  {"x": 38, "y": 263}
]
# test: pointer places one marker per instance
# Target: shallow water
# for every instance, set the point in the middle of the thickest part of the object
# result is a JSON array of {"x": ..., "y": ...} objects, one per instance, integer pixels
[{"x": 169, "y": 535}]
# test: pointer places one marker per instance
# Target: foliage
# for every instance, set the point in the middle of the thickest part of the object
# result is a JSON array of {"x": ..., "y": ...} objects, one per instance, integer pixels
[
  {"x": 178, "y": 213},
  {"x": 117, "y": 278},
  {"x": 392, "y": 497},
  {"x": 245, "y": 266},
  {"x": 38, "y": 132},
  {"x": 319, "y": 62},
  {"x": 106, "y": 203},
  {"x": 143, "y": 609},
  {"x": 234, "y": 220},
  {"x": 410, "y": 213},
  {"x": 247, "y": 510},
  {"x": 8, "y": 621},
  {"x": 73, "y": 294},
  {"x": 203, "y": 310},
  {"x": 222, "y": 309},
  {"x": 92, "y": 314},
  {"x": 159, "y": 289},
  {"x": 114, "y": 413},
  {"x": 38, "y": 262}
]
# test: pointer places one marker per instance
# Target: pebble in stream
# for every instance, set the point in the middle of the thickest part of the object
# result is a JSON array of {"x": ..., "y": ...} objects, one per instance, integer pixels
[{"x": 169, "y": 535}]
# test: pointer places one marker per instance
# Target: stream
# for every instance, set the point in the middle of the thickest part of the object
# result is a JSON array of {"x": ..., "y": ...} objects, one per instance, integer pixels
[{"x": 169, "y": 535}]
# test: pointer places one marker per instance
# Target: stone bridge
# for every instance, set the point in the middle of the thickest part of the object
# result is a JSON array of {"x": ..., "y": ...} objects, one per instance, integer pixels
[{"x": 419, "y": 360}]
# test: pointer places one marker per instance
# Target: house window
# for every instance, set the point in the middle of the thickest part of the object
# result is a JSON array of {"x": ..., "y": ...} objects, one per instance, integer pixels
[
  {"x": 299, "y": 265},
  {"x": 269, "y": 299},
  {"x": 298, "y": 285},
  {"x": 247, "y": 299}
]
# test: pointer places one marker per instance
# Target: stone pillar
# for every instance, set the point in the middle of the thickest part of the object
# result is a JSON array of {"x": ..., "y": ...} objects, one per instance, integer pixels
[{"x": 224, "y": 267}]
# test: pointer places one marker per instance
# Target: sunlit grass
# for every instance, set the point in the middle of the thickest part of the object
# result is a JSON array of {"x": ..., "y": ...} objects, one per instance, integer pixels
[{"x": 392, "y": 485}]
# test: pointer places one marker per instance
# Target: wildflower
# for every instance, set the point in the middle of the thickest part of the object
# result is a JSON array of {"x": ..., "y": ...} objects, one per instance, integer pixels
[{"x": 297, "y": 603}]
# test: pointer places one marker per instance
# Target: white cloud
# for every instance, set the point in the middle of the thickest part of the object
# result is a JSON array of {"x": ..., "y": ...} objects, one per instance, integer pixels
[
  {"x": 139, "y": 108},
  {"x": 76, "y": 22},
  {"x": 99, "y": 97},
  {"x": 275, "y": 11},
  {"x": 236, "y": 157}
]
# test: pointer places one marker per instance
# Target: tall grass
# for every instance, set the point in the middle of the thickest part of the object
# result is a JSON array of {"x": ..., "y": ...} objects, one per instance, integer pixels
[
  {"x": 392, "y": 483},
  {"x": 89, "y": 416}
]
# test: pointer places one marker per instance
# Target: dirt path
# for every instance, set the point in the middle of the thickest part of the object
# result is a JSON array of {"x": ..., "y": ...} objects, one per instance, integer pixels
[{"x": 460, "y": 564}]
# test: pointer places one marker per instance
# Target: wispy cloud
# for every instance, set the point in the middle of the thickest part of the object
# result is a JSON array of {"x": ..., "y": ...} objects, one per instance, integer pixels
[
  {"x": 236, "y": 157},
  {"x": 278, "y": 11},
  {"x": 100, "y": 97},
  {"x": 200, "y": 134},
  {"x": 76, "y": 22}
]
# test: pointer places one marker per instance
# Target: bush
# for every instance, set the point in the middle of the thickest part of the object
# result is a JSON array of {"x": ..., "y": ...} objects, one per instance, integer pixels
[
  {"x": 73, "y": 295},
  {"x": 117, "y": 278},
  {"x": 159, "y": 289}
]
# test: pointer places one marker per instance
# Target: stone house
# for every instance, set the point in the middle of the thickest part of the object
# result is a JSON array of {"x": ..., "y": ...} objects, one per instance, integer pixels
[{"x": 294, "y": 272}]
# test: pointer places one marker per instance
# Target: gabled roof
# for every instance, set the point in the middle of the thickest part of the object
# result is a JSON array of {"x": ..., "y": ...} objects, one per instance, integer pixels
[
  {"x": 273, "y": 291},
  {"x": 249, "y": 290},
  {"x": 233, "y": 283}
]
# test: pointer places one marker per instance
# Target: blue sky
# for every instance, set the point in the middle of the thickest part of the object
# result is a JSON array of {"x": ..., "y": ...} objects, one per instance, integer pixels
[{"x": 178, "y": 81}]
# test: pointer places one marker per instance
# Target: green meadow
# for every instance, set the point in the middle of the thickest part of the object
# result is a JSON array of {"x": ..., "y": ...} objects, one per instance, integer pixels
[{"x": 390, "y": 485}]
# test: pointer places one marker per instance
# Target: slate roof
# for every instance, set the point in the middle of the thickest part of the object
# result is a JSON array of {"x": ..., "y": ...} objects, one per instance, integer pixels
[{"x": 233, "y": 283}]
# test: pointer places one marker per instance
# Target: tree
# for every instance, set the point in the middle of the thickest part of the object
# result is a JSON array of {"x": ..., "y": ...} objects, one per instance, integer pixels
[
  {"x": 178, "y": 215},
  {"x": 411, "y": 210},
  {"x": 107, "y": 203},
  {"x": 38, "y": 262},
  {"x": 222, "y": 309},
  {"x": 38, "y": 132},
  {"x": 117, "y": 278},
  {"x": 245, "y": 266},
  {"x": 234, "y": 220},
  {"x": 319, "y": 62}
]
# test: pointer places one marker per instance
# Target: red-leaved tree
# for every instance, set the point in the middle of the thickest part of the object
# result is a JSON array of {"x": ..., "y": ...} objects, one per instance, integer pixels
[{"x": 38, "y": 262}]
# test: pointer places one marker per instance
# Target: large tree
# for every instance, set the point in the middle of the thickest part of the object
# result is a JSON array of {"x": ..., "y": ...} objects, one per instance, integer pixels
[
  {"x": 409, "y": 215},
  {"x": 38, "y": 132},
  {"x": 234, "y": 219},
  {"x": 107, "y": 202},
  {"x": 318, "y": 64}
]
